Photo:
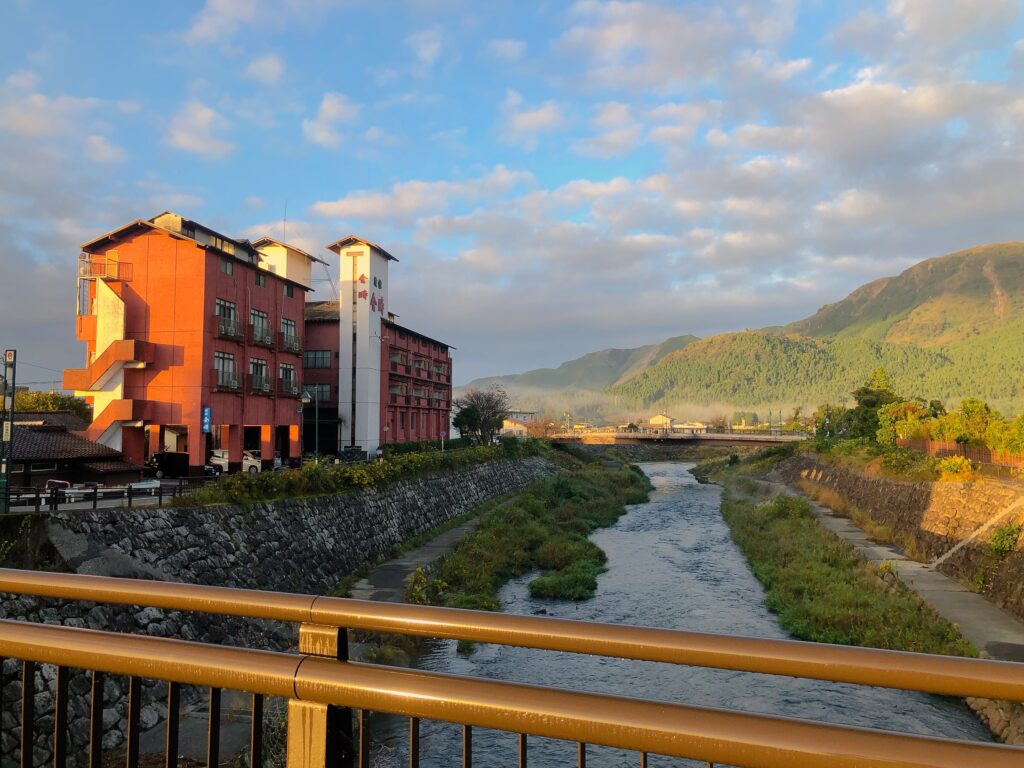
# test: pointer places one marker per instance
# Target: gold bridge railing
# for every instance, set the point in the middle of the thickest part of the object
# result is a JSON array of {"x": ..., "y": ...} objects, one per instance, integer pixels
[{"x": 328, "y": 696}]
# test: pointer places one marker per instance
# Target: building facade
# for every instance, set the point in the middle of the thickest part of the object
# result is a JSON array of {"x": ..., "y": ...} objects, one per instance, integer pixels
[
  {"x": 193, "y": 341},
  {"x": 390, "y": 384}
]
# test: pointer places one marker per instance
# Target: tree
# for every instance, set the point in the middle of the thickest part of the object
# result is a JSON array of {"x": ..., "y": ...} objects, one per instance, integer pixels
[
  {"x": 484, "y": 421},
  {"x": 51, "y": 402},
  {"x": 544, "y": 425}
]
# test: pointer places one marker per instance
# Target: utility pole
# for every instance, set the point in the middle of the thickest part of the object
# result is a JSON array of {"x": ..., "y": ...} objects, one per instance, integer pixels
[{"x": 7, "y": 392}]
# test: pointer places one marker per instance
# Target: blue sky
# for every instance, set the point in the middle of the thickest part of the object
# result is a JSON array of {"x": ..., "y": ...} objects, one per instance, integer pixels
[{"x": 555, "y": 177}]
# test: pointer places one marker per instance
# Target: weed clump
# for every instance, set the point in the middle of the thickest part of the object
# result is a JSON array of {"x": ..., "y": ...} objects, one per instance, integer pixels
[
  {"x": 545, "y": 529},
  {"x": 823, "y": 591}
]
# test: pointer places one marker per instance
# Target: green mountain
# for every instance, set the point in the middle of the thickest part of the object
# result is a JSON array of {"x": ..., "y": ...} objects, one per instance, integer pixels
[
  {"x": 594, "y": 371},
  {"x": 948, "y": 328}
]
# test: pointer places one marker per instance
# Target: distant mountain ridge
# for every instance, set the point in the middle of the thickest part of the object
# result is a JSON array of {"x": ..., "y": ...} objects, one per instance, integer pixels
[{"x": 948, "y": 328}]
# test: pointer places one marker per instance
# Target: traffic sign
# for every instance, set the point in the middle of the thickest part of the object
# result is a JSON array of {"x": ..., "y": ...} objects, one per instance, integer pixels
[{"x": 9, "y": 356}]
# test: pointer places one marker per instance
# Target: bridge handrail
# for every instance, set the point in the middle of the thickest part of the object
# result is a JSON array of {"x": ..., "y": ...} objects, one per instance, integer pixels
[
  {"x": 949, "y": 675},
  {"x": 758, "y": 741}
]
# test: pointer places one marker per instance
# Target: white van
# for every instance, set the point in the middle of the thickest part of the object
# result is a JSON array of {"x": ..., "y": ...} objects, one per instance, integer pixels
[{"x": 250, "y": 460}]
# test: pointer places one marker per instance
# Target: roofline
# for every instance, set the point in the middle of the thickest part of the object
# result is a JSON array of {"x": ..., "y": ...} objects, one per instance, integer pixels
[
  {"x": 269, "y": 239},
  {"x": 416, "y": 333},
  {"x": 111, "y": 235},
  {"x": 337, "y": 245}
]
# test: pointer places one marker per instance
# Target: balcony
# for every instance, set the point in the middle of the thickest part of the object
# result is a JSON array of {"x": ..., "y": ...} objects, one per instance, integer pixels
[
  {"x": 227, "y": 327},
  {"x": 397, "y": 399},
  {"x": 261, "y": 335},
  {"x": 226, "y": 381},
  {"x": 289, "y": 342},
  {"x": 260, "y": 384},
  {"x": 92, "y": 266},
  {"x": 288, "y": 387}
]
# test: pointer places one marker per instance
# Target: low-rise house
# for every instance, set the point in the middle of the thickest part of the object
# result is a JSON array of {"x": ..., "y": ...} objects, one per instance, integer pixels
[
  {"x": 514, "y": 428},
  {"x": 44, "y": 452}
]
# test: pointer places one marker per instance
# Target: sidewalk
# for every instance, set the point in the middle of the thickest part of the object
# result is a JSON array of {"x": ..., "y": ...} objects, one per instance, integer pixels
[{"x": 993, "y": 631}]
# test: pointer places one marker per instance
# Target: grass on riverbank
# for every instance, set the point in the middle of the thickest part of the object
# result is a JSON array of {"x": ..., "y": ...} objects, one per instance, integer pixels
[
  {"x": 545, "y": 528},
  {"x": 823, "y": 591}
]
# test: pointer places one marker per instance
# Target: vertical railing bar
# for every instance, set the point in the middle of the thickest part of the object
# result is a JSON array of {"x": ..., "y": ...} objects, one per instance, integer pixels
[
  {"x": 134, "y": 710},
  {"x": 582, "y": 755},
  {"x": 173, "y": 713},
  {"x": 213, "y": 734},
  {"x": 96, "y": 721},
  {"x": 643, "y": 760},
  {"x": 60, "y": 719},
  {"x": 256, "y": 732},
  {"x": 467, "y": 746},
  {"x": 414, "y": 742},
  {"x": 28, "y": 713},
  {"x": 364, "y": 739},
  {"x": 522, "y": 750}
]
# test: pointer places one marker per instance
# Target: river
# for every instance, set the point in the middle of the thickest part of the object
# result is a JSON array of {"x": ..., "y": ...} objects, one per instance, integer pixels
[{"x": 672, "y": 564}]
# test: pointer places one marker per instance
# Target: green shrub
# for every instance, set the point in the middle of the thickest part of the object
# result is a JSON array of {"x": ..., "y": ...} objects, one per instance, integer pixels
[
  {"x": 955, "y": 465},
  {"x": 823, "y": 591},
  {"x": 1003, "y": 540}
]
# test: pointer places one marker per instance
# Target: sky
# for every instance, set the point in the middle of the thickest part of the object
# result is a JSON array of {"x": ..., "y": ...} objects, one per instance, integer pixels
[{"x": 555, "y": 178}]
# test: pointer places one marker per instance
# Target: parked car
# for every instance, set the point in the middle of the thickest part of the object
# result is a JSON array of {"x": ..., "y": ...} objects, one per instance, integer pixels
[
  {"x": 167, "y": 464},
  {"x": 250, "y": 461}
]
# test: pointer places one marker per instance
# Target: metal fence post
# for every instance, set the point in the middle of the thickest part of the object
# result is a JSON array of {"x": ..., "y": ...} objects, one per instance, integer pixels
[
  {"x": 320, "y": 736},
  {"x": 95, "y": 496},
  {"x": 128, "y": 493},
  {"x": 160, "y": 494}
]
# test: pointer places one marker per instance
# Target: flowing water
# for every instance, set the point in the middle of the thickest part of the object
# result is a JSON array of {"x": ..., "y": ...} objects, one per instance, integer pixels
[{"x": 671, "y": 564}]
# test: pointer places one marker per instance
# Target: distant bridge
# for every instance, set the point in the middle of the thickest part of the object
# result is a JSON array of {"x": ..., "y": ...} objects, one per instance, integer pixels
[{"x": 666, "y": 436}]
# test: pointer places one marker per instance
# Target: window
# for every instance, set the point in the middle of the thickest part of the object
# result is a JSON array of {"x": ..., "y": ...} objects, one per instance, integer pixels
[
  {"x": 227, "y": 267},
  {"x": 261, "y": 279},
  {"x": 259, "y": 319},
  {"x": 287, "y": 372},
  {"x": 43, "y": 468},
  {"x": 401, "y": 419},
  {"x": 318, "y": 358},
  {"x": 288, "y": 327},
  {"x": 258, "y": 368},
  {"x": 412, "y": 420},
  {"x": 319, "y": 392},
  {"x": 226, "y": 309},
  {"x": 224, "y": 366},
  {"x": 289, "y": 290},
  {"x": 260, "y": 323},
  {"x": 224, "y": 361}
]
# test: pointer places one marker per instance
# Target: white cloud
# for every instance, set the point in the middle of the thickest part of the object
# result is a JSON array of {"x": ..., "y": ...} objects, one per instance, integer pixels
[
  {"x": 267, "y": 69},
  {"x": 426, "y": 46},
  {"x": 409, "y": 199},
  {"x": 33, "y": 114},
  {"x": 99, "y": 150},
  {"x": 524, "y": 125},
  {"x": 194, "y": 129},
  {"x": 218, "y": 21},
  {"x": 617, "y": 132},
  {"x": 944, "y": 24},
  {"x": 23, "y": 78},
  {"x": 335, "y": 109},
  {"x": 507, "y": 49}
]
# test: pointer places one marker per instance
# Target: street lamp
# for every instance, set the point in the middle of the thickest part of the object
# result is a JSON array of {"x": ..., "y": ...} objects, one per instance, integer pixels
[{"x": 315, "y": 399}]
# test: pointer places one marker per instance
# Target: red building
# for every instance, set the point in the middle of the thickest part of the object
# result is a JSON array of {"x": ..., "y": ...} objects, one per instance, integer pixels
[
  {"x": 415, "y": 381},
  {"x": 193, "y": 341}
]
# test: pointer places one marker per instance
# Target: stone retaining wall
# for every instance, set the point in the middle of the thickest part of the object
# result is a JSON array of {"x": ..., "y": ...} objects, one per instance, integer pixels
[{"x": 297, "y": 545}]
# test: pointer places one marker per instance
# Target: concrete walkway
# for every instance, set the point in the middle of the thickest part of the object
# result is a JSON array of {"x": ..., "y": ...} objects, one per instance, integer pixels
[
  {"x": 993, "y": 631},
  {"x": 389, "y": 582}
]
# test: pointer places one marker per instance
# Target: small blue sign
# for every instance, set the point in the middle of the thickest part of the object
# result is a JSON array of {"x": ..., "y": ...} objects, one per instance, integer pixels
[{"x": 207, "y": 419}]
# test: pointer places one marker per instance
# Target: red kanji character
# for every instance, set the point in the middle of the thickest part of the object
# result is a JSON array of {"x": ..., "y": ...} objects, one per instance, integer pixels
[
  {"x": 373, "y": 302},
  {"x": 363, "y": 294}
]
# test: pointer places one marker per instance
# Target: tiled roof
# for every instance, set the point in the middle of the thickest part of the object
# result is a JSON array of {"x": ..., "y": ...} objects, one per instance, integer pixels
[
  {"x": 54, "y": 444},
  {"x": 105, "y": 467},
  {"x": 65, "y": 419},
  {"x": 323, "y": 311}
]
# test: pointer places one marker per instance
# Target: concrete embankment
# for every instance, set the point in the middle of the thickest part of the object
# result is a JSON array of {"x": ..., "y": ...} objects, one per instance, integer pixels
[{"x": 296, "y": 545}]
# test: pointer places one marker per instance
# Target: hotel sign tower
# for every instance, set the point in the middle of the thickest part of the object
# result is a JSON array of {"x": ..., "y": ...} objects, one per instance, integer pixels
[{"x": 363, "y": 268}]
